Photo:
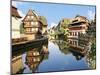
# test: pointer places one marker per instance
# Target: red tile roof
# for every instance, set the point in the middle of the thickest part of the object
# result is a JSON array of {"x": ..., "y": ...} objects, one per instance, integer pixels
[{"x": 14, "y": 12}]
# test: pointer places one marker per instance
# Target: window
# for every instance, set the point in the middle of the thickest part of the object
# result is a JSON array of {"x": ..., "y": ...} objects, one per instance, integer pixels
[
  {"x": 36, "y": 23},
  {"x": 76, "y": 43},
  {"x": 32, "y": 23},
  {"x": 32, "y": 17},
  {"x": 28, "y": 30},
  {"x": 34, "y": 29},
  {"x": 28, "y": 17},
  {"x": 26, "y": 23},
  {"x": 75, "y": 33}
]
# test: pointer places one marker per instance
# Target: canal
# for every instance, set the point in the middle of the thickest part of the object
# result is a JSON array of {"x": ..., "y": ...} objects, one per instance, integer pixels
[{"x": 61, "y": 57}]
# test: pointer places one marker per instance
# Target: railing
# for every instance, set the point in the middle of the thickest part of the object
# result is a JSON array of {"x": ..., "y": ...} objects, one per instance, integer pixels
[
  {"x": 29, "y": 44},
  {"x": 16, "y": 40}
]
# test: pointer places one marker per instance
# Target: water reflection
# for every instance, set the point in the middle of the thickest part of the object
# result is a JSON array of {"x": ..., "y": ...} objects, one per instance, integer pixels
[
  {"x": 71, "y": 46},
  {"x": 76, "y": 49},
  {"x": 57, "y": 55},
  {"x": 79, "y": 50},
  {"x": 63, "y": 46},
  {"x": 17, "y": 65},
  {"x": 89, "y": 51},
  {"x": 31, "y": 58},
  {"x": 34, "y": 57}
]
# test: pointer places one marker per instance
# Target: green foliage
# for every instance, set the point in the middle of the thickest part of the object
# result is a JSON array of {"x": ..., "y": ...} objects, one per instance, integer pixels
[
  {"x": 61, "y": 30},
  {"x": 93, "y": 47},
  {"x": 92, "y": 29},
  {"x": 92, "y": 54},
  {"x": 21, "y": 28},
  {"x": 63, "y": 45},
  {"x": 63, "y": 27},
  {"x": 43, "y": 20},
  {"x": 92, "y": 32}
]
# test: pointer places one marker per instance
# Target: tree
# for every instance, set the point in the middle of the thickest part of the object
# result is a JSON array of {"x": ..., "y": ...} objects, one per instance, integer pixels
[
  {"x": 63, "y": 26},
  {"x": 21, "y": 28}
]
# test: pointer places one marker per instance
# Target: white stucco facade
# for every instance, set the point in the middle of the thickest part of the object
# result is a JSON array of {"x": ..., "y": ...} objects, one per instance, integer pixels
[{"x": 16, "y": 22}]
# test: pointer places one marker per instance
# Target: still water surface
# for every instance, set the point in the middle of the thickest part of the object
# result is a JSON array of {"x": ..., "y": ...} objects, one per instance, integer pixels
[{"x": 60, "y": 58}]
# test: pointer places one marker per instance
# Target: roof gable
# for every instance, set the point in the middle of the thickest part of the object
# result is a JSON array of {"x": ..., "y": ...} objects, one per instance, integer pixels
[
  {"x": 31, "y": 13},
  {"x": 14, "y": 12},
  {"x": 43, "y": 20}
]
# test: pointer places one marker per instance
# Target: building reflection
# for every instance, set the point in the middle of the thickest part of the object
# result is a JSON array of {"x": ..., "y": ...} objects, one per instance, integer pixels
[
  {"x": 17, "y": 65},
  {"x": 78, "y": 56},
  {"x": 63, "y": 46},
  {"x": 77, "y": 49},
  {"x": 35, "y": 56},
  {"x": 45, "y": 49},
  {"x": 71, "y": 46},
  {"x": 77, "y": 46},
  {"x": 33, "y": 59}
]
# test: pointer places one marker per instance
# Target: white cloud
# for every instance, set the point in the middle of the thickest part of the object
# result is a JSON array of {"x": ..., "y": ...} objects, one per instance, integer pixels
[
  {"x": 91, "y": 14},
  {"x": 53, "y": 24},
  {"x": 14, "y": 3}
]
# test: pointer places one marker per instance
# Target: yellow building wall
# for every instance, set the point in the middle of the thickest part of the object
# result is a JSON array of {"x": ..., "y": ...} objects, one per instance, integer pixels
[
  {"x": 17, "y": 64},
  {"x": 30, "y": 36}
]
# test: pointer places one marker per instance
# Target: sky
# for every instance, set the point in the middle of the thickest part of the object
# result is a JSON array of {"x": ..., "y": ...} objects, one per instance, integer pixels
[{"x": 55, "y": 12}]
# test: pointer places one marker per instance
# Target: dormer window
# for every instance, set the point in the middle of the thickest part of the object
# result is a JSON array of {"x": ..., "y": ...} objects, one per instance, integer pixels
[
  {"x": 75, "y": 20},
  {"x": 28, "y": 17},
  {"x": 32, "y": 17}
]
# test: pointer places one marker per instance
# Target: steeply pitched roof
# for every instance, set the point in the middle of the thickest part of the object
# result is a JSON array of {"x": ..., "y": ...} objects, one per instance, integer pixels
[
  {"x": 83, "y": 17},
  {"x": 14, "y": 12},
  {"x": 31, "y": 13},
  {"x": 79, "y": 19},
  {"x": 43, "y": 20}
]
